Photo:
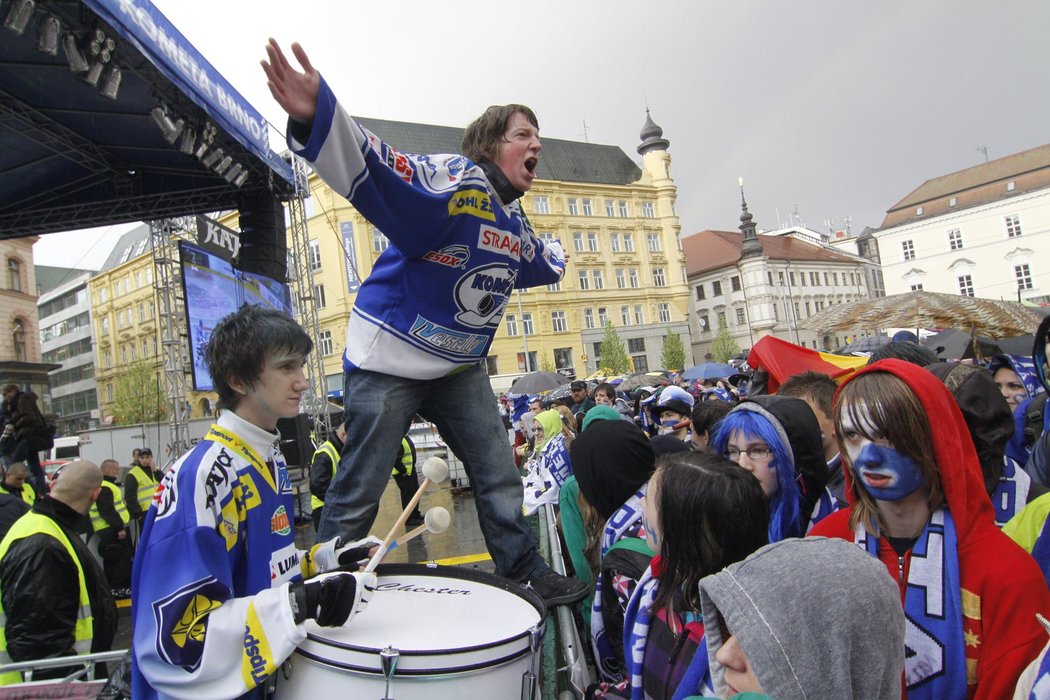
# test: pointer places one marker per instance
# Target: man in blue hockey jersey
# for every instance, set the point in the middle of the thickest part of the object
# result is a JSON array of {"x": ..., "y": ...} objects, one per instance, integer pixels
[
  {"x": 424, "y": 319},
  {"x": 220, "y": 590}
]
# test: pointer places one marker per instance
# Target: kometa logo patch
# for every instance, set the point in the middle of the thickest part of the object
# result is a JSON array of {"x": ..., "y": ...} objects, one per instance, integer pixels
[{"x": 482, "y": 295}]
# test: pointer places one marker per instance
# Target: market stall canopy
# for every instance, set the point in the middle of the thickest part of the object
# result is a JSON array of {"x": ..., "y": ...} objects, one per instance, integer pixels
[
  {"x": 987, "y": 317},
  {"x": 108, "y": 114}
]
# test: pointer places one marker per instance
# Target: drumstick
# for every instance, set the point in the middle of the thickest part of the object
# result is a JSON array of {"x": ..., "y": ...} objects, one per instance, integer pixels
[
  {"x": 436, "y": 520},
  {"x": 435, "y": 470}
]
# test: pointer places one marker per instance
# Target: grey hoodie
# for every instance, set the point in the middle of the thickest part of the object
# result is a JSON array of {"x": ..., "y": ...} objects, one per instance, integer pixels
[{"x": 817, "y": 618}]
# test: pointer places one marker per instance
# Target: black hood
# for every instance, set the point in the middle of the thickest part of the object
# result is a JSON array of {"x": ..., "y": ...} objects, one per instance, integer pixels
[
  {"x": 507, "y": 192},
  {"x": 800, "y": 425}
]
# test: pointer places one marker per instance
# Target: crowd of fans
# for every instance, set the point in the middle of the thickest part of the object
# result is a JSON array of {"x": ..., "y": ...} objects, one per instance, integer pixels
[{"x": 796, "y": 544}]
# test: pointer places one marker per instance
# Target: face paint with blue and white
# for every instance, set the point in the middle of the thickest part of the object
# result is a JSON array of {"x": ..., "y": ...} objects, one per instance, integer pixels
[{"x": 887, "y": 474}]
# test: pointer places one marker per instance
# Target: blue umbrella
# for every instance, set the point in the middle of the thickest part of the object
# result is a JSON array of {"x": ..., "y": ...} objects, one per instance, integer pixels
[{"x": 709, "y": 370}]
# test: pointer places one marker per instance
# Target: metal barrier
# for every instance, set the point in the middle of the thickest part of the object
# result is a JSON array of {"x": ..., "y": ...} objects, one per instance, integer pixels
[{"x": 79, "y": 684}]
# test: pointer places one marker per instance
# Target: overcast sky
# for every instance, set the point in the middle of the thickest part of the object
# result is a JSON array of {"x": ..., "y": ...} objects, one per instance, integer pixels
[{"x": 838, "y": 108}]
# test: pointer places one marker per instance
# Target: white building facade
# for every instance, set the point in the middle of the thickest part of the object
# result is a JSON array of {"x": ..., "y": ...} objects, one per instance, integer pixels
[{"x": 66, "y": 339}]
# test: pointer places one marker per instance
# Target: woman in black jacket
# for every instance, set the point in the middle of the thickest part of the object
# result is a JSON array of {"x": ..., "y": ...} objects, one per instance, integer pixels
[{"x": 25, "y": 426}]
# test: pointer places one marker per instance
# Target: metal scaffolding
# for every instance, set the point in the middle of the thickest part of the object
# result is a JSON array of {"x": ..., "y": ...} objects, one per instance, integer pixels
[
  {"x": 171, "y": 306},
  {"x": 301, "y": 280}
]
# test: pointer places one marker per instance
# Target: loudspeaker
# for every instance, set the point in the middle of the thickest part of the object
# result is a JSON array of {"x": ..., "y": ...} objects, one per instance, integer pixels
[
  {"x": 296, "y": 445},
  {"x": 264, "y": 247}
]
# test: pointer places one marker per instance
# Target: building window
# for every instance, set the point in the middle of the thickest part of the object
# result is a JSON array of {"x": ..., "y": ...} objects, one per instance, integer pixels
[
  {"x": 324, "y": 344},
  {"x": 658, "y": 277},
  {"x": 635, "y": 345},
  {"x": 807, "y": 310},
  {"x": 1013, "y": 226},
  {"x": 623, "y": 209},
  {"x": 648, "y": 210},
  {"x": 791, "y": 279},
  {"x": 603, "y": 317},
  {"x": 583, "y": 279},
  {"x": 716, "y": 288},
  {"x": 512, "y": 324},
  {"x": 632, "y": 276},
  {"x": 1024, "y": 277},
  {"x": 654, "y": 242},
  {"x": 908, "y": 250},
  {"x": 145, "y": 348},
  {"x": 104, "y": 325},
  {"x": 18, "y": 339},
  {"x": 541, "y": 205},
  {"x": 734, "y": 283},
  {"x": 704, "y": 322},
  {"x": 1011, "y": 186},
  {"x": 721, "y": 319},
  {"x": 555, "y": 287},
  {"x": 109, "y": 393},
  {"x": 814, "y": 279},
  {"x": 142, "y": 313},
  {"x": 918, "y": 211},
  {"x": 577, "y": 242},
  {"x": 319, "y": 298},
  {"x": 588, "y": 318},
  {"x": 835, "y": 278},
  {"x": 628, "y": 242},
  {"x": 587, "y": 209},
  {"x": 639, "y": 315},
  {"x": 133, "y": 358},
  {"x": 574, "y": 209},
  {"x": 916, "y": 287},
  {"x": 952, "y": 202},
  {"x": 614, "y": 239},
  {"x": 379, "y": 241},
  {"x": 102, "y": 295},
  {"x": 621, "y": 279},
  {"x": 740, "y": 317},
  {"x": 599, "y": 281},
  {"x": 625, "y": 315},
  {"x": 609, "y": 211},
  {"x": 313, "y": 253},
  {"x": 955, "y": 239},
  {"x": 663, "y": 312},
  {"x": 558, "y": 323},
  {"x": 641, "y": 363},
  {"x": 526, "y": 324},
  {"x": 965, "y": 285},
  {"x": 592, "y": 241}
]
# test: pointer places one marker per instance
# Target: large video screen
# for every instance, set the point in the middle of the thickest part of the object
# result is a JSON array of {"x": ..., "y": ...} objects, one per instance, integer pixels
[{"x": 214, "y": 288}]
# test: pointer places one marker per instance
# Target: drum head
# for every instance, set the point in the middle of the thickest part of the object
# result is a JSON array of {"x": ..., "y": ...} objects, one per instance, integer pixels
[{"x": 440, "y": 619}]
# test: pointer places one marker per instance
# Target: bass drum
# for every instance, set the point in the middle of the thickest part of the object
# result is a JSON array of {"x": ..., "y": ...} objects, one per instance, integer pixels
[{"x": 445, "y": 632}]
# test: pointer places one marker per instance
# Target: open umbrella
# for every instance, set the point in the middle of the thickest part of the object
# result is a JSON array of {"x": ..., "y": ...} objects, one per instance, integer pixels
[
  {"x": 637, "y": 381},
  {"x": 867, "y": 344},
  {"x": 535, "y": 382},
  {"x": 988, "y": 317},
  {"x": 709, "y": 370}
]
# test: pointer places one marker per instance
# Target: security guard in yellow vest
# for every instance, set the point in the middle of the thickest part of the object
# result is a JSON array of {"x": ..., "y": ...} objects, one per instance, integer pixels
[
  {"x": 54, "y": 600},
  {"x": 322, "y": 469},
  {"x": 404, "y": 473},
  {"x": 109, "y": 521},
  {"x": 140, "y": 483},
  {"x": 15, "y": 484}
]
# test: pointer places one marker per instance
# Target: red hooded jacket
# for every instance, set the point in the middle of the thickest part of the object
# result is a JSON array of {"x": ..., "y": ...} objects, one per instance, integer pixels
[{"x": 1002, "y": 586}]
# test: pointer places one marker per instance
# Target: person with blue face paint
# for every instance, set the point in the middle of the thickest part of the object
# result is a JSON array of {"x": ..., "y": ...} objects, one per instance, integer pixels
[{"x": 918, "y": 504}]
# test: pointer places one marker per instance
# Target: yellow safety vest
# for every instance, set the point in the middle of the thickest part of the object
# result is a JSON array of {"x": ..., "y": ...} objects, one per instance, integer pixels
[
  {"x": 97, "y": 521},
  {"x": 33, "y": 523},
  {"x": 407, "y": 462},
  {"x": 326, "y": 448},
  {"x": 28, "y": 492},
  {"x": 146, "y": 486}
]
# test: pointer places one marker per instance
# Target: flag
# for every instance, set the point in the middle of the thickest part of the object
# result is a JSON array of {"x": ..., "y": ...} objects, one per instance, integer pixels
[{"x": 781, "y": 359}]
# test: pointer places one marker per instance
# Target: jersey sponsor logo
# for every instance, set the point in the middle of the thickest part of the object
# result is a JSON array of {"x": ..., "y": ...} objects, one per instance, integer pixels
[
  {"x": 284, "y": 482},
  {"x": 249, "y": 493},
  {"x": 473, "y": 202},
  {"x": 399, "y": 163},
  {"x": 218, "y": 479},
  {"x": 279, "y": 523},
  {"x": 257, "y": 662},
  {"x": 502, "y": 242},
  {"x": 481, "y": 295},
  {"x": 447, "y": 339},
  {"x": 285, "y": 564},
  {"x": 182, "y": 621},
  {"x": 166, "y": 495},
  {"x": 451, "y": 256},
  {"x": 528, "y": 250}
]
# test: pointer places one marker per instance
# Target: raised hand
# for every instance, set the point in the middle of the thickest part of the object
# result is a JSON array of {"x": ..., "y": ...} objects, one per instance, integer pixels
[{"x": 295, "y": 91}]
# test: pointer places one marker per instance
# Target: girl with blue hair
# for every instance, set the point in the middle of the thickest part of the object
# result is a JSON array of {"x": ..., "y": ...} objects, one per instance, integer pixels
[{"x": 777, "y": 438}]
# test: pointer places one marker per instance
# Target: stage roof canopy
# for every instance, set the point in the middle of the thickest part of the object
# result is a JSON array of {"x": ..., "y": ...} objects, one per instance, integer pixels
[{"x": 108, "y": 115}]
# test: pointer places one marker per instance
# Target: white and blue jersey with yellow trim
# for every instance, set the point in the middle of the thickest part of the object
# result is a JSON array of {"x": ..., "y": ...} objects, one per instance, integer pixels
[
  {"x": 211, "y": 612},
  {"x": 435, "y": 297}
]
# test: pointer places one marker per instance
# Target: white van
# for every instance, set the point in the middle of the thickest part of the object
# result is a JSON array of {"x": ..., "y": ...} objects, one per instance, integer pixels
[{"x": 66, "y": 449}]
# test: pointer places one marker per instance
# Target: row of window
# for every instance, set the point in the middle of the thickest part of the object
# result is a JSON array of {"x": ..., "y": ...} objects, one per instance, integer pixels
[
  {"x": 810, "y": 308},
  {"x": 63, "y": 327},
  {"x": 629, "y": 316},
  {"x": 80, "y": 402},
  {"x": 68, "y": 376},
  {"x": 954, "y": 201},
  {"x": 65, "y": 352},
  {"x": 594, "y": 278},
  {"x": 1022, "y": 275},
  {"x": 67, "y": 300},
  {"x": 130, "y": 352},
  {"x": 1011, "y": 225},
  {"x": 802, "y": 279},
  {"x": 122, "y": 285},
  {"x": 577, "y": 206}
]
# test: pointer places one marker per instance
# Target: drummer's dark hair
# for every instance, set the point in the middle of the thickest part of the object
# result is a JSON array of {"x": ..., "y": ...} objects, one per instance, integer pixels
[{"x": 242, "y": 342}]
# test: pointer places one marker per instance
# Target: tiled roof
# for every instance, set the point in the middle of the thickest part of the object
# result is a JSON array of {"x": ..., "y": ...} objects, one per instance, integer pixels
[
  {"x": 133, "y": 240},
  {"x": 712, "y": 250},
  {"x": 568, "y": 161}
]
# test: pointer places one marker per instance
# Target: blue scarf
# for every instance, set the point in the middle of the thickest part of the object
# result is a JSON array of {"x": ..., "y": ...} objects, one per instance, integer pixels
[
  {"x": 825, "y": 506},
  {"x": 636, "y": 620},
  {"x": 1011, "y": 493},
  {"x": 934, "y": 652}
]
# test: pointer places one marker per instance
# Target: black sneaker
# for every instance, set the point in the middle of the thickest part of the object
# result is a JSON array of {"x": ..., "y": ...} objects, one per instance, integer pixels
[{"x": 556, "y": 589}]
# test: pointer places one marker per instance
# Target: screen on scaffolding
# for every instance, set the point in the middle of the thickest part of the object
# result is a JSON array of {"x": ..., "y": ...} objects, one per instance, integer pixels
[{"x": 214, "y": 288}]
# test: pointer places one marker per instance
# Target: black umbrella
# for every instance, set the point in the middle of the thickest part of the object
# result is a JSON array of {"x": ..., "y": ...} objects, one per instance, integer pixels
[{"x": 535, "y": 382}]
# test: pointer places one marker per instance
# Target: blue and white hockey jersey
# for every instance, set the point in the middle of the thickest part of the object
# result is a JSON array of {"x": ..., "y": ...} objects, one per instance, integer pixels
[
  {"x": 436, "y": 296},
  {"x": 211, "y": 612}
]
